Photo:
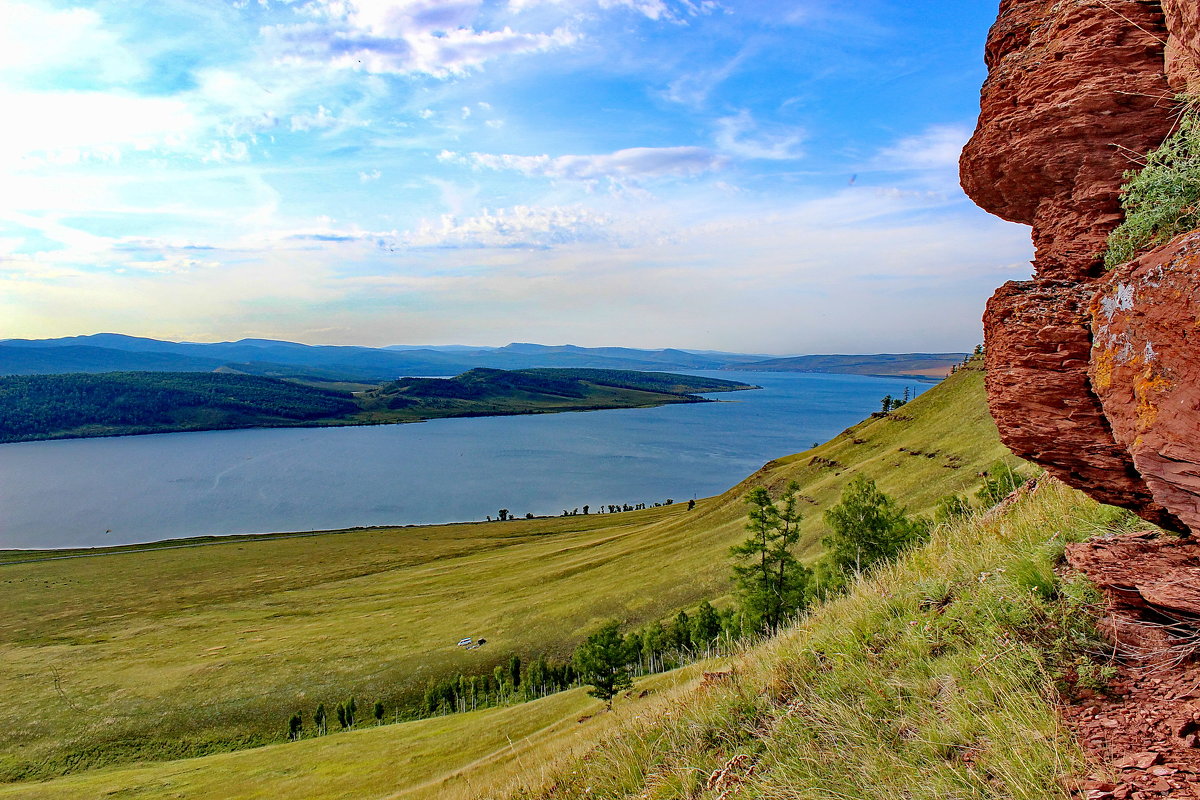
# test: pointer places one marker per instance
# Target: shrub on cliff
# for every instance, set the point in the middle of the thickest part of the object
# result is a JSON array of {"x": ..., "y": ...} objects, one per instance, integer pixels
[{"x": 1162, "y": 200}]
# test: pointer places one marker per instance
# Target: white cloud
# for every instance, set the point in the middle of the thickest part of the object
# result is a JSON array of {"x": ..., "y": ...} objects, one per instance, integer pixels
[
  {"x": 632, "y": 164},
  {"x": 652, "y": 9},
  {"x": 517, "y": 227},
  {"x": 66, "y": 126},
  {"x": 368, "y": 176},
  {"x": 431, "y": 37},
  {"x": 936, "y": 148},
  {"x": 36, "y": 39},
  {"x": 321, "y": 118},
  {"x": 741, "y": 136}
]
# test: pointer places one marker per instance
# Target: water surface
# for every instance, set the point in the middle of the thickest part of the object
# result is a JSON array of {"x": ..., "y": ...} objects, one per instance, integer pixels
[{"x": 87, "y": 492}]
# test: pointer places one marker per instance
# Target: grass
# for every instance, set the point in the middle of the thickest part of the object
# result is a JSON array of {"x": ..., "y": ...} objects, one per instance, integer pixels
[
  {"x": 451, "y": 757},
  {"x": 934, "y": 679},
  {"x": 169, "y": 653},
  {"x": 1162, "y": 200}
]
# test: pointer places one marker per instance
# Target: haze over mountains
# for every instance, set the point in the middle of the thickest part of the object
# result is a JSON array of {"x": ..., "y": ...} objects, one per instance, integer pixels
[{"x": 107, "y": 352}]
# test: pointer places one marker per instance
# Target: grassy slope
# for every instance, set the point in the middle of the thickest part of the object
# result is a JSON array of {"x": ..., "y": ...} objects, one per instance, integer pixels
[
  {"x": 935, "y": 679},
  {"x": 486, "y": 752},
  {"x": 177, "y": 652}
]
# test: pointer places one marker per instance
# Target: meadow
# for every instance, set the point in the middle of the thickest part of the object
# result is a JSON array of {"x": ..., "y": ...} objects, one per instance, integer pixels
[{"x": 158, "y": 654}]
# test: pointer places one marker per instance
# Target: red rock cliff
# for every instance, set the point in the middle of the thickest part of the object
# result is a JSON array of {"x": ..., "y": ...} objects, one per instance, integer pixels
[{"x": 1076, "y": 89}]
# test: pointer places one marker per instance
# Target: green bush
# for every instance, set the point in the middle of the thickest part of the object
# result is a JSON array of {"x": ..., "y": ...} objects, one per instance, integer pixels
[{"x": 1162, "y": 200}]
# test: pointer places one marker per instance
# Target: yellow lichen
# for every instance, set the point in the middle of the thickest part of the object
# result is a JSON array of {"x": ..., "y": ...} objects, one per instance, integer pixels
[
  {"x": 1147, "y": 389},
  {"x": 1103, "y": 361}
]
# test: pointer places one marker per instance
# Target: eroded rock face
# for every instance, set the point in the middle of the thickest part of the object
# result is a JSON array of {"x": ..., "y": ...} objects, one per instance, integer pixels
[
  {"x": 1076, "y": 89},
  {"x": 1145, "y": 367},
  {"x": 1073, "y": 88},
  {"x": 1038, "y": 345}
]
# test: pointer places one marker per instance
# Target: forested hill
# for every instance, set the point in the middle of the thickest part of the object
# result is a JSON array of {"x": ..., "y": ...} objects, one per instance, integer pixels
[
  {"x": 79, "y": 404},
  {"x": 487, "y": 392},
  {"x": 121, "y": 403}
]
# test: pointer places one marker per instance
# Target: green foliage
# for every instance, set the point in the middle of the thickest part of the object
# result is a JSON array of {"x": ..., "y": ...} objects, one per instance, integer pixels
[
  {"x": 706, "y": 625},
  {"x": 934, "y": 677},
  {"x": 319, "y": 720},
  {"x": 602, "y": 661},
  {"x": 1162, "y": 200},
  {"x": 952, "y": 507},
  {"x": 999, "y": 482},
  {"x": 295, "y": 726},
  {"x": 483, "y": 383},
  {"x": 867, "y": 527},
  {"x": 771, "y": 582}
]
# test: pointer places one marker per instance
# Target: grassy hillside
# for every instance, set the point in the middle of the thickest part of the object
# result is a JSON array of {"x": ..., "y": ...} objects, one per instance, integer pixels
[
  {"x": 935, "y": 679},
  {"x": 167, "y": 653},
  {"x": 120, "y": 403},
  {"x": 482, "y": 753}
]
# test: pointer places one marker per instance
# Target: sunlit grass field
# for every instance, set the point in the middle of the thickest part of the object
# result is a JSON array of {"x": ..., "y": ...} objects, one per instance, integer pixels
[
  {"x": 487, "y": 753},
  {"x": 163, "y": 654}
]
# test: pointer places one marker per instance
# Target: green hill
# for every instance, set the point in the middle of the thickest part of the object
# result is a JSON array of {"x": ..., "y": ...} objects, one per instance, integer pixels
[
  {"x": 148, "y": 655},
  {"x": 490, "y": 392}
]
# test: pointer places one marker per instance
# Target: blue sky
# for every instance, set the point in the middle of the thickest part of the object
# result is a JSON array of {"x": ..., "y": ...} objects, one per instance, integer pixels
[{"x": 760, "y": 176}]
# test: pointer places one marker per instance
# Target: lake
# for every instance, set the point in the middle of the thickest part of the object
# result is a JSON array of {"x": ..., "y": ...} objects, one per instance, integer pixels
[{"x": 121, "y": 490}]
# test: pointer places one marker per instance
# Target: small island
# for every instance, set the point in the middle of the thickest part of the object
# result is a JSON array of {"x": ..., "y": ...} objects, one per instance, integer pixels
[{"x": 78, "y": 405}]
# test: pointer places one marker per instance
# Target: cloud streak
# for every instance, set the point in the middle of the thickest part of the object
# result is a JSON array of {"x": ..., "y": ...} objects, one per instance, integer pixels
[{"x": 631, "y": 165}]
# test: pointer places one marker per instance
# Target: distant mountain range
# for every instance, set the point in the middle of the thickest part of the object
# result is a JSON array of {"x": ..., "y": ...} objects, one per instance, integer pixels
[{"x": 112, "y": 352}]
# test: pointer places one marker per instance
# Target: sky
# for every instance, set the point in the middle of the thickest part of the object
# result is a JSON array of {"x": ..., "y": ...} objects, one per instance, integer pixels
[{"x": 747, "y": 175}]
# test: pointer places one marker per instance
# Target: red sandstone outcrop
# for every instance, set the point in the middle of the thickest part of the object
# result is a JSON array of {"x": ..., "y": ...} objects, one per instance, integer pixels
[
  {"x": 1037, "y": 382},
  {"x": 1074, "y": 89},
  {"x": 1148, "y": 578},
  {"x": 1145, "y": 367}
]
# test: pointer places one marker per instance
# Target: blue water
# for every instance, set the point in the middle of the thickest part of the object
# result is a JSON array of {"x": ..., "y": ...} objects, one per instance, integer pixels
[{"x": 87, "y": 492}]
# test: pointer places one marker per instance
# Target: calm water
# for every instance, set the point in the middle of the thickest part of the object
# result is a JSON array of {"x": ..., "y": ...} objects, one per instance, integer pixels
[{"x": 85, "y": 492}]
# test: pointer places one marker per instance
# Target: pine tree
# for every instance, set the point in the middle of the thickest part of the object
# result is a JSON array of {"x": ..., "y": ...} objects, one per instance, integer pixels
[
  {"x": 771, "y": 582},
  {"x": 602, "y": 661}
]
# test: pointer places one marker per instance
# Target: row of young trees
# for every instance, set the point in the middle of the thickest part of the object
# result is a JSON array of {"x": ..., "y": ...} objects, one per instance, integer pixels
[
  {"x": 504, "y": 515},
  {"x": 889, "y": 403}
]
